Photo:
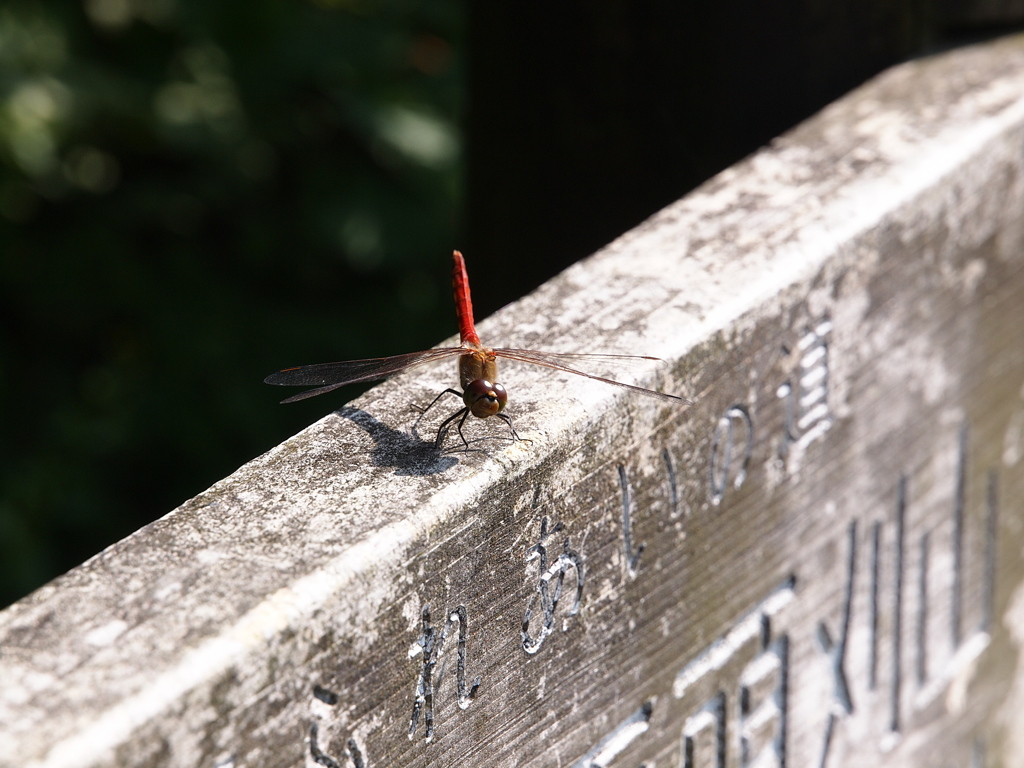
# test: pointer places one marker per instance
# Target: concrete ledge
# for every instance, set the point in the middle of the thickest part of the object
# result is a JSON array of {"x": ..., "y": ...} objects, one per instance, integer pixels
[{"x": 817, "y": 564}]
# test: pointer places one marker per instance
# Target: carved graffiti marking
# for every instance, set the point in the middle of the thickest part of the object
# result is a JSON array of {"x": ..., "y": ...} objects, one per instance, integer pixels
[
  {"x": 842, "y": 703},
  {"x": 988, "y": 584},
  {"x": 704, "y": 734},
  {"x": 429, "y": 645},
  {"x": 632, "y": 556},
  {"x": 897, "y": 606},
  {"x": 549, "y": 587},
  {"x": 724, "y": 442},
  {"x": 315, "y": 752},
  {"x": 621, "y": 737},
  {"x": 752, "y": 626},
  {"x": 921, "y": 634},
  {"x": 873, "y": 604},
  {"x": 956, "y": 596},
  {"x": 807, "y": 415},
  {"x": 763, "y": 700}
]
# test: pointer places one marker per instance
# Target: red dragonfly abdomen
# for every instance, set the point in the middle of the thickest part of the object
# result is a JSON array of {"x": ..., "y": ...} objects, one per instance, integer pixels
[{"x": 463, "y": 302}]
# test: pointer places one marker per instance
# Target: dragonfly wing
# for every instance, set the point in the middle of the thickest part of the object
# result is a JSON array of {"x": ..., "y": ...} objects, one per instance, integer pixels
[
  {"x": 312, "y": 392},
  {"x": 329, "y": 376},
  {"x": 559, "y": 362}
]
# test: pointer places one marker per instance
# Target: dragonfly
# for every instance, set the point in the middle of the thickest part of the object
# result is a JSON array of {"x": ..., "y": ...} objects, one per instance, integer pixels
[{"x": 481, "y": 394}]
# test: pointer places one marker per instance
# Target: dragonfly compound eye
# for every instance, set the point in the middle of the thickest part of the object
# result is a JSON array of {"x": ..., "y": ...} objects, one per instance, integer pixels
[{"x": 484, "y": 398}]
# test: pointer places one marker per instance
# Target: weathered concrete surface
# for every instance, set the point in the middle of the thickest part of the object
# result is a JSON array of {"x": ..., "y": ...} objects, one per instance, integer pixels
[{"x": 817, "y": 564}]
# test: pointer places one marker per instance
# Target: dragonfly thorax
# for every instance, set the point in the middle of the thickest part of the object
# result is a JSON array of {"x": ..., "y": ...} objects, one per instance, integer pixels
[{"x": 479, "y": 363}]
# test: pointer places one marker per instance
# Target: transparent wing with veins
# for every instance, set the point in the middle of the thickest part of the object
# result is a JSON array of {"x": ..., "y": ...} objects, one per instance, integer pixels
[
  {"x": 559, "y": 362},
  {"x": 329, "y": 376}
]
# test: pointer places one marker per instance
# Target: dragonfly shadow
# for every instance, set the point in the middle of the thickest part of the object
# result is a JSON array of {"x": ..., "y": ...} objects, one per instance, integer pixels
[{"x": 408, "y": 454}]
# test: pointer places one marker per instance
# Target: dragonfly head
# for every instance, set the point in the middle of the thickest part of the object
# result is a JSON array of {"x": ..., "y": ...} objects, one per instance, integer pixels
[{"x": 484, "y": 398}]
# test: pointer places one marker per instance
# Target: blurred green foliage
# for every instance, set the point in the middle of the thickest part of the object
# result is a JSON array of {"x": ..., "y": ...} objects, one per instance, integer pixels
[{"x": 194, "y": 194}]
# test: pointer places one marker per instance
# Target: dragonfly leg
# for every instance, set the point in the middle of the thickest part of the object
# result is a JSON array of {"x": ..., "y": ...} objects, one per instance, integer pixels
[
  {"x": 434, "y": 402},
  {"x": 461, "y": 422},
  {"x": 508, "y": 420},
  {"x": 446, "y": 424}
]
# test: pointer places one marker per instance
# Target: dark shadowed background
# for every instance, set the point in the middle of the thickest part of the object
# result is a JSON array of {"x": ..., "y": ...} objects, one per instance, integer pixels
[{"x": 194, "y": 194}]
